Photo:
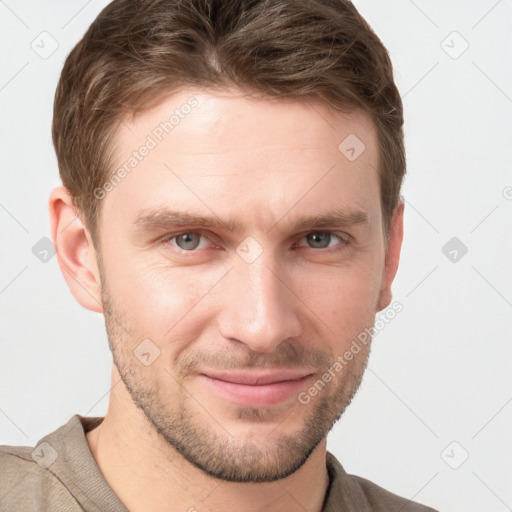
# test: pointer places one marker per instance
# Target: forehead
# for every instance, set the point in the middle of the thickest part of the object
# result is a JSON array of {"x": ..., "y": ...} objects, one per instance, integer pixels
[
  {"x": 204, "y": 118},
  {"x": 244, "y": 155}
]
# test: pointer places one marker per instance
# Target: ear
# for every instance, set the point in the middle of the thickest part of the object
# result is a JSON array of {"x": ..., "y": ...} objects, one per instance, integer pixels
[
  {"x": 75, "y": 251},
  {"x": 395, "y": 237}
]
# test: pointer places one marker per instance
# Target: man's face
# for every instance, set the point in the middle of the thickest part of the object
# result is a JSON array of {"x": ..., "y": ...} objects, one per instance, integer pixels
[{"x": 237, "y": 318}]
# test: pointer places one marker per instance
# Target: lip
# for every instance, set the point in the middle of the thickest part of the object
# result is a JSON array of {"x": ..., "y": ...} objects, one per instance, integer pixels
[{"x": 262, "y": 388}]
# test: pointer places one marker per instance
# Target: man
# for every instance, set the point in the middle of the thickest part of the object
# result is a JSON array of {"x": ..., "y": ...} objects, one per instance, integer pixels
[{"x": 231, "y": 177}]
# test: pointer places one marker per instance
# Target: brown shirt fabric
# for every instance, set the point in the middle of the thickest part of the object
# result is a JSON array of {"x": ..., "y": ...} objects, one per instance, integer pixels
[{"x": 60, "y": 474}]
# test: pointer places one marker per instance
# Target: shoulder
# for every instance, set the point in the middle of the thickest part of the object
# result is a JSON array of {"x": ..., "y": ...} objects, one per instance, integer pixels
[
  {"x": 18, "y": 470},
  {"x": 26, "y": 485},
  {"x": 352, "y": 492},
  {"x": 28, "y": 476},
  {"x": 383, "y": 500}
]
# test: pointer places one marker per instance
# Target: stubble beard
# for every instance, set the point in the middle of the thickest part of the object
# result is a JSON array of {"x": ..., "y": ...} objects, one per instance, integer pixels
[{"x": 187, "y": 427}]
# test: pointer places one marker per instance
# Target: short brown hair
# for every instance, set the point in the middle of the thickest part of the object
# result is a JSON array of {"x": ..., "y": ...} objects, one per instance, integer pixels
[{"x": 137, "y": 52}]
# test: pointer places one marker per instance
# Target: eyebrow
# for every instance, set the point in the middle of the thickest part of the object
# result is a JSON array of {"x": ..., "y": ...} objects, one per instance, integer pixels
[{"x": 160, "y": 219}]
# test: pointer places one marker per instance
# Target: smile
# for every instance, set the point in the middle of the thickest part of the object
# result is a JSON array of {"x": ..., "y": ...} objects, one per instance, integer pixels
[{"x": 257, "y": 388}]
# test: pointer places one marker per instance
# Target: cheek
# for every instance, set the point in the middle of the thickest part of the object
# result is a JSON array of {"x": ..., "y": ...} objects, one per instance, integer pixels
[
  {"x": 160, "y": 302},
  {"x": 344, "y": 298}
]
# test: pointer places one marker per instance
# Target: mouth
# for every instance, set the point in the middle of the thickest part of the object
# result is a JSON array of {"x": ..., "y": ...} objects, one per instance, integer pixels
[{"x": 260, "y": 388}]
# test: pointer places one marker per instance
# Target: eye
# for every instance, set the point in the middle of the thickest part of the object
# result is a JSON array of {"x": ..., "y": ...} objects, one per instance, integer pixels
[
  {"x": 191, "y": 241},
  {"x": 187, "y": 241},
  {"x": 323, "y": 239}
]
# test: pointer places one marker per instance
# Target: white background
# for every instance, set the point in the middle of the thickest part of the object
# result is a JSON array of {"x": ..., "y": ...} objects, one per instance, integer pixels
[{"x": 439, "y": 372}]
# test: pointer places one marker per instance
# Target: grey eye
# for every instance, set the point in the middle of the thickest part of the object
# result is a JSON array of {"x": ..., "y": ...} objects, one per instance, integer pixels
[
  {"x": 319, "y": 240},
  {"x": 188, "y": 241}
]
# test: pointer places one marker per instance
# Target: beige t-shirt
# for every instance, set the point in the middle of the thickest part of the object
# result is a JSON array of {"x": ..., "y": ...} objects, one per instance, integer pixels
[{"x": 60, "y": 474}]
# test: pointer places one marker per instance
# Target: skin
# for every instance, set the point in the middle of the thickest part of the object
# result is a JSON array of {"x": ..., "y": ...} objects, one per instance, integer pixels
[{"x": 263, "y": 164}]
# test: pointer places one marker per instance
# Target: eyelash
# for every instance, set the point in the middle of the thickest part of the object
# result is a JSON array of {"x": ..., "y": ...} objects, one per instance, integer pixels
[{"x": 343, "y": 237}]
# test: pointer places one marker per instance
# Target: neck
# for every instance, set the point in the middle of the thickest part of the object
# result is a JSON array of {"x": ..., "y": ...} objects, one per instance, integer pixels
[{"x": 147, "y": 474}]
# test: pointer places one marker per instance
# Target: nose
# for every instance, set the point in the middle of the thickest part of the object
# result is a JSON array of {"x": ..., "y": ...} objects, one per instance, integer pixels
[{"x": 259, "y": 307}]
